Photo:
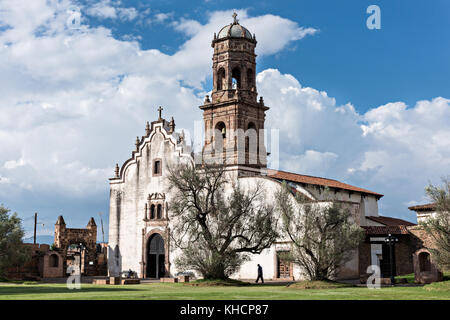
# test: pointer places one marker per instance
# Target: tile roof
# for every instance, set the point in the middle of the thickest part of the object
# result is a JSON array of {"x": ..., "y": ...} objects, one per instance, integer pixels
[
  {"x": 300, "y": 178},
  {"x": 423, "y": 207},
  {"x": 389, "y": 221},
  {"x": 385, "y": 230}
]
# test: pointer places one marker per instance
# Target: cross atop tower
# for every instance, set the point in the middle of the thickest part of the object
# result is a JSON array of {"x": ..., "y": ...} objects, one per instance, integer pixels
[
  {"x": 235, "y": 21},
  {"x": 160, "y": 109}
]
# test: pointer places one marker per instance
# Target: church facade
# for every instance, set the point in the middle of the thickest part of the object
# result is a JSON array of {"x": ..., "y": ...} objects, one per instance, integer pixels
[{"x": 234, "y": 118}]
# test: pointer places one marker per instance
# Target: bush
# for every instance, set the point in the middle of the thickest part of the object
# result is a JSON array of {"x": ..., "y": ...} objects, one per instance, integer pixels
[{"x": 217, "y": 283}]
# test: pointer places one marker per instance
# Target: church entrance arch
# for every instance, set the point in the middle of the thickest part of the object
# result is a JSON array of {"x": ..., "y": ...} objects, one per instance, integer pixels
[{"x": 156, "y": 257}]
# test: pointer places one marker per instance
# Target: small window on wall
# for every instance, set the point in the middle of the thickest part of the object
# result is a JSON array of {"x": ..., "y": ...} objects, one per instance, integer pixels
[{"x": 157, "y": 167}]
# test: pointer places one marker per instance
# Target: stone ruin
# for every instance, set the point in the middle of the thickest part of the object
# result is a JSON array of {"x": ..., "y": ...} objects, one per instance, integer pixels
[{"x": 70, "y": 245}]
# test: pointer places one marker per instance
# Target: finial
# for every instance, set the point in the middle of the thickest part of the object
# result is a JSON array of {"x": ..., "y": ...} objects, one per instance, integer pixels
[
  {"x": 172, "y": 125},
  {"x": 235, "y": 21},
  {"x": 137, "y": 143},
  {"x": 215, "y": 36},
  {"x": 147, "y": 128},
  {"x": 116, "y": 171},
  {"x": 261, "y": 100},
  {"x": 160, "y": 109},
  {"x": 181, "y": 136},
  {"x": 207, "y": 99}
]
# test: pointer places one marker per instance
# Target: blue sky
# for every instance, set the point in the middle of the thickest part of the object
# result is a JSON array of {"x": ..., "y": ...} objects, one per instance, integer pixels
[
  {"x": 367, "y": 107},
  {"x": 406, "y": 60}
]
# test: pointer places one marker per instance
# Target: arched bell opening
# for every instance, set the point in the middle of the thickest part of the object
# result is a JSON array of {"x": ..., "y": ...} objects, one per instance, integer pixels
[
  {"x": 236, "y": 78},
  {"x": 220, "y": 85}
]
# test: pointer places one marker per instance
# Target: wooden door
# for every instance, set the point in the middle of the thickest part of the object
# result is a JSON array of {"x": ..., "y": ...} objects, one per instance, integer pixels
[{"x": 284, "y": 268}]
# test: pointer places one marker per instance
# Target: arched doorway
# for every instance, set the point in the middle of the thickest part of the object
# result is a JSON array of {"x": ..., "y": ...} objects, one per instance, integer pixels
[
  {"x": 155, "y": 257},
  {"x": 424, "y": 262},
  {"x": 77, "y": 254},
  {"x": 53, "y": 261}
]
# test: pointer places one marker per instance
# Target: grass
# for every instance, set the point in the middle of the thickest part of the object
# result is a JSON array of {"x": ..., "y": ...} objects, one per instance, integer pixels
[
  {"x": 410, "y": 278},
  {"x": 318, "y": 285},
  {"x": 175, "y": 291},
  {"x": 214, "y": 283},
  {"x": 438, "y": 286}
]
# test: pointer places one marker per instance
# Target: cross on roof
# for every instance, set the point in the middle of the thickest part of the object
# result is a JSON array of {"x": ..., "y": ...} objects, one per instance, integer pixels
[
  {"x": 234, "y": 18},
  {"x": 160, "y": 109}
]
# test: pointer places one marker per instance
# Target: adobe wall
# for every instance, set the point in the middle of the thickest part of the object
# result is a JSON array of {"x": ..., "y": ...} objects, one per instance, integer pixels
[{"x": 47, "y": 266}]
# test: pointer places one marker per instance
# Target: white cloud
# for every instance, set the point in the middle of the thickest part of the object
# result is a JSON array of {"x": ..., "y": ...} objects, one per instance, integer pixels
[
  {"x": 393, "y": 149},
  {"x": 4, "y": 180},
  {"x": 161, "y": 17},
  {"x": 309, "y": 161},
  {"x": 103, "y": 9},
  {"x": 106, "y": 9},
  {"x": 13, "y": 164},
  {"x": 72, "y": 100}
]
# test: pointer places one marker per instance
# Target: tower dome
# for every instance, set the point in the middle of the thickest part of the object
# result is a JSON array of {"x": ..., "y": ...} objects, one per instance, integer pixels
[{"x": 234, "y": 30}]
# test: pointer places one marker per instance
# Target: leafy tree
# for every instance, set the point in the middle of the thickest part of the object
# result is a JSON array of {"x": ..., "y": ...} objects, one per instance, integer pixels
[
  {"x": 216, "y": 222},
  {"x": 12, "y": 251},
  {"x": 322, "y": 234},
  {"x": 438, "y": 227}
]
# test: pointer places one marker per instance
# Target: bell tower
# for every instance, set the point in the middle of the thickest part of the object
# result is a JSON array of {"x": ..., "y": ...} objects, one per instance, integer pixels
[{"x": 233, "y": 116}]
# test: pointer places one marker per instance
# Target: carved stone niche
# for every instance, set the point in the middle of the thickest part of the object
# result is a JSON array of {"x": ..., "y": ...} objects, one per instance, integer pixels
[{"x": 156, "y": 209}]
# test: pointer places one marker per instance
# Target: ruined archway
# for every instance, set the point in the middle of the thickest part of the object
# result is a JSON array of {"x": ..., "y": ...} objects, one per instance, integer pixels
[{"x": 73, "y": 242}]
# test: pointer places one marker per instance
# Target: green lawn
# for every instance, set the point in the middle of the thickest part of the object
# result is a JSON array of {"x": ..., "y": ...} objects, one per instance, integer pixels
[
  {"x": 182, "y": 291},
  {"x": 410, "y": 278}
]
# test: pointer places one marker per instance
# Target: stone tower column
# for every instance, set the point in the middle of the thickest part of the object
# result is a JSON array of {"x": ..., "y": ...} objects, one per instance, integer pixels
[
  {"x": 60, "y": 230},
  {"x": 234, "y": 118}
]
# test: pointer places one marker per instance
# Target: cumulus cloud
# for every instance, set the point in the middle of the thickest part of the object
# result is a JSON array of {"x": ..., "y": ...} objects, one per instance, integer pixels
[
  {"x": 12, "y": 164},
  {"x": 309, "y": 162},
  {"x": 393, "y": 149},
  {"x": 72, "y": 98},
  {"x": 163, "y": 16},
  {"x": 106, "y": 9}
]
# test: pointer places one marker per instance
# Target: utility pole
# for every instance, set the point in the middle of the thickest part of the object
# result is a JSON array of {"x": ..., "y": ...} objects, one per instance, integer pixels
[
  {"x": 101, "y": 221},
  {"x": 35, "y": 223}
]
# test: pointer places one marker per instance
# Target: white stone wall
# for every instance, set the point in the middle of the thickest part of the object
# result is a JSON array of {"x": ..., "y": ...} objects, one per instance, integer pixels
[
  {"x": 424, "y": 216},
  {"x": 129, "y": 195}
]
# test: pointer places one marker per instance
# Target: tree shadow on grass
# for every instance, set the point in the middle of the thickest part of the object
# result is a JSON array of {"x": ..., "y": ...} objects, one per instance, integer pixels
[{"x": 25, "y": 290}]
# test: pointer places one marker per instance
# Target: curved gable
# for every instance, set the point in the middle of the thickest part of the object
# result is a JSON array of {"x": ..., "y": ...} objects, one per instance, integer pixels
[{"x": 158, "y": 135}]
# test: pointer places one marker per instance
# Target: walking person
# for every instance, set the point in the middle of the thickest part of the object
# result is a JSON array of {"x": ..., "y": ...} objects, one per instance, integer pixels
[{"x": 260, "y": 274}]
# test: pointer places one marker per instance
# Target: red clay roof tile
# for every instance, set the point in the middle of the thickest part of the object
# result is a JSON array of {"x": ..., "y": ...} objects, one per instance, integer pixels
[
  {"x": 389, "y": 221},
  {"x": 423, "y": 207},
  {"x": 385, "y": 230},
  {"x": 300, "y": 178}
]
